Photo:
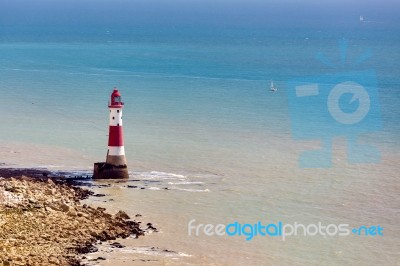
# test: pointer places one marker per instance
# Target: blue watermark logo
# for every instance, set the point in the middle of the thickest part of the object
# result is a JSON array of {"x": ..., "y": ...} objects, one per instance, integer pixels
[
  {"x": 343, "y": 103},
  {"x": 280, "y": 230}
]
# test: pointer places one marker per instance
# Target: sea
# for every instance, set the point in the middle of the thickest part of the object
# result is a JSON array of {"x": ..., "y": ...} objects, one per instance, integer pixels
[{"x": 206, "y": 139}]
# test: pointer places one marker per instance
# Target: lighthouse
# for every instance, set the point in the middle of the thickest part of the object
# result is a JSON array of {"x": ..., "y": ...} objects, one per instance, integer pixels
[{"x": 115, "y": 165}]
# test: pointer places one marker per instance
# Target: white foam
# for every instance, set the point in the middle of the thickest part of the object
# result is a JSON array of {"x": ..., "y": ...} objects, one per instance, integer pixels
[
  {"x": 191, "y": 190},
  {"x": 160, "y": 175},
  {"x": 154, "y": 188},
  {"x": 153, "y": 252},
  {"x": 185, "y": 183},
  {"x": 51, "y": 166}
]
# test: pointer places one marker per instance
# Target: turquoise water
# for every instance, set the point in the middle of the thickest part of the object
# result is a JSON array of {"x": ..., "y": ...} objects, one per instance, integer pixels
[
  {"x": 199, "y": 119},
  {"x": 201, "y": 87}
]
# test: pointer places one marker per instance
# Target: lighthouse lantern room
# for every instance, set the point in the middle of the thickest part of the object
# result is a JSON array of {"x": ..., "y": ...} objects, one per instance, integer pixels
[{"x": 115, "y": 99}]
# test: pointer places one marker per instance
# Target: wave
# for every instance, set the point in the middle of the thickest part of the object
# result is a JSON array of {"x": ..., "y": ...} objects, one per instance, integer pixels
[
  {"x": 154, "y": 251},
  {"x": 160, "y": 175},
  {"x": 154, "y": 188},
  {"x": 186, "y": 183},
  {"x": 190, "y": 189}
]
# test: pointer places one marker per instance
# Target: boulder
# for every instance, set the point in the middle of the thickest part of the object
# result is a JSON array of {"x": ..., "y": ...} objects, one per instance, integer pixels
[{"x": 122, "y": 215}]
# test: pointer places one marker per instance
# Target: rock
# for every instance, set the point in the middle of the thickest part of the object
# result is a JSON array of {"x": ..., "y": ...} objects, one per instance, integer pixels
[
  {"x": 72, "y": 211},
  {"x": 25, "y": 178},
  {"x": 21, "y": 237},
  {"x": 9, "y": 188},
  {"x": 50, "y": 208},
  {"x": 87, "y": 248},
  {"x": 82, "y": 214},
  {"x": 121, "y": 215},
  {"x": 46, "y": 237},
  {"x": 55, "y": 207},
  {"x": 100, "y": 209},
  {"x": 64, "y": 207},
  {"x": 150, "y": 226},
  {"x": 32, "y": 200},
  {"x": 54, "y": 260},
  {"x": 82, "y": 219},
  {"x": 93, "y": 233},
  {"x": 49, "y": 192},
  {"x": 117, "y": 245},
  {"x": 41, "y": 215}
]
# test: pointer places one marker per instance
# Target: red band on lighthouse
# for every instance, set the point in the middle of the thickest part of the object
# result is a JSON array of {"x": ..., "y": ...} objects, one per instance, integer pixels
[{"x": 116, "y": 136}]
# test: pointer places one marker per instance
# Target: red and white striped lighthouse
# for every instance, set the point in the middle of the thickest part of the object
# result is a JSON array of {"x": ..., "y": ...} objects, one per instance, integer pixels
[
  {"x": 116, "y": 150},
  {"x": 115, "y": 165}
]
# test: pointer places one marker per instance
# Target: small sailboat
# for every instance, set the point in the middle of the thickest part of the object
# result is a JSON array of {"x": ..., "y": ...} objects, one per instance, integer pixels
[
  {"x": 361, "y": 18},
  {"x": 272, "y": 87}
]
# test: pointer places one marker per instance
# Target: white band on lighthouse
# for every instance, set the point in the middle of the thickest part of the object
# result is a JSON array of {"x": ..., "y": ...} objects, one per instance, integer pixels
[
  {"x": 115, "y": 117},
  {"x": 116, "y": 150}
]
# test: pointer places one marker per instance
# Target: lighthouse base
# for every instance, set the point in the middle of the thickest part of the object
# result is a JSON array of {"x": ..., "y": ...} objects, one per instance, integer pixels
[{"x": 108, "y": 171}]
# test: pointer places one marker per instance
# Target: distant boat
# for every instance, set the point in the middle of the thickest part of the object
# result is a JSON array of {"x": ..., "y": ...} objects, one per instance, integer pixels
[
  {"x": 361, "y": 18},
  {"x": 272, "y": 87}
]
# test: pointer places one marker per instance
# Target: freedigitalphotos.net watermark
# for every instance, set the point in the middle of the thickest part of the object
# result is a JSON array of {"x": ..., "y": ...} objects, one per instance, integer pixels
[{"x": 280, "y": 230}]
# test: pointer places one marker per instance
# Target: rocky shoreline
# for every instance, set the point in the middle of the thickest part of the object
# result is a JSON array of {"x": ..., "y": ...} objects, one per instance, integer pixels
[{"x": 42, "y": 221}]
